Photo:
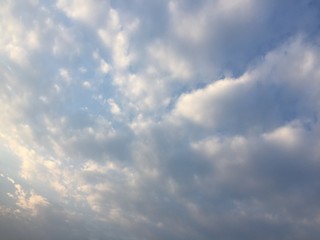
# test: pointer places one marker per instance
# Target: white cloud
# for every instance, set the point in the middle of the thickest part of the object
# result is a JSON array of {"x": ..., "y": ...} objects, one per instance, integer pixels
[
  {"x": 90, "y": 11},
  {"x": 11, "y": 180},
  {"x": 169, "y": 62},
  {"x": 115, "y": 37},
  {"x": 206, "y": 19},
  {"x": 191, "y": 27},
  {"x": 64, "y": 73},
  {"x": 289, "y": 136},
  {"x": 162, "y": 119},
  {"x": 86, "y": 84},
  {"x": 31, "y": 201},
  {"x": 104, "y": 66},
  {"x": 205, "y": 106},
  {"x": 247, "y": 100},
  {"x": 33, "y": 39},
  {"x": 114, "y": 106},
  {"x": 208, "y": 146}
]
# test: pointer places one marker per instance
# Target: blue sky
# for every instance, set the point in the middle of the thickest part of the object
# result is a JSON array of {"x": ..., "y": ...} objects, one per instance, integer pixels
[{"x": 157, "y": 120}]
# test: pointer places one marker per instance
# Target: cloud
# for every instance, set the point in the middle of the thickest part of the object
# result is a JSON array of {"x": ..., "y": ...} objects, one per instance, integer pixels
[
  {"x": 262, "y": 97},
  {"x": 29, "y": 203},
  {"x": 90, "y": 12},
  {"x": 170, "y": 63},
  {"x": 159, "y": 120}
]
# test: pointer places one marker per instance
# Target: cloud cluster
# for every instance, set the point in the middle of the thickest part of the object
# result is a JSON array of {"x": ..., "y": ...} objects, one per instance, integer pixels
[{"x": 159, "y": 120}]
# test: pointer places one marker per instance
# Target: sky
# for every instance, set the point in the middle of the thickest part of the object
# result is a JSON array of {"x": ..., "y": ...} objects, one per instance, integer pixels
[{"x": 162, "y": 119}]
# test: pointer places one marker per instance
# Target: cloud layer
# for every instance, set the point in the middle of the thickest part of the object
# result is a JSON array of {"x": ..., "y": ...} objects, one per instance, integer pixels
[{"x": 159, "y": 119}]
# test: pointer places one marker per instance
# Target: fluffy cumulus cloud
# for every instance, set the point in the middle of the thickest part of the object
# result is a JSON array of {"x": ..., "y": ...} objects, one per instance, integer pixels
[{"x": 159, "y": 119}]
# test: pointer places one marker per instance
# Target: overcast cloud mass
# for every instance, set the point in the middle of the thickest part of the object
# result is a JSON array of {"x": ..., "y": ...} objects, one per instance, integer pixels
[{"x": 153, "y": 120}]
